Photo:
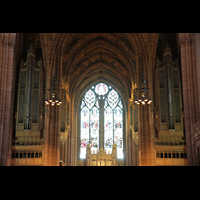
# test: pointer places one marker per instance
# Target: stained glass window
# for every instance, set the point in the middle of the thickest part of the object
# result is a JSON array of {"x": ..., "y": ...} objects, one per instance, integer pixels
[
  {"x": 94, "y": 108},
  {"x": 113, "y": 98},
  {"x": 108, "y": 129},
  {"x": 101, "y": 89},
  {"x": 94, "y": 127},
  {"x": 84, "y": 131},
  {"x": 118, "y": 127},
  {"x": 90, "y": 99}
]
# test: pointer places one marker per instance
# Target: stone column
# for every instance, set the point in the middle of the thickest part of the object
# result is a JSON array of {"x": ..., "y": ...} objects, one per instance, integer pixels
[
  {"x": 145, "y": 123},
  {"x": 130, "y": 149},
  {"x": 65, "y": 151},
  {"x": 52, "y": 125},
  {"x": 190, "y": 91},
  {"x": 7, "y": 44},
  {"x": 197, "y": 49}
]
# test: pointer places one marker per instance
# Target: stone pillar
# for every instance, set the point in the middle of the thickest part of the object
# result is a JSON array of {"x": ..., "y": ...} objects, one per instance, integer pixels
[
  {"x": 135, "y": 150},
  {"x": 145, "y": 123},
  {"x": 52, "y": 125},
  {"x": 197, "y": 50},
  {"x": 144, "y": 136},
  {"x": 130, "y": 149},
  {"x": 190, "y": 91},
  {"x": 7, "y": 44},
  {"x": 65, "y": 152}
]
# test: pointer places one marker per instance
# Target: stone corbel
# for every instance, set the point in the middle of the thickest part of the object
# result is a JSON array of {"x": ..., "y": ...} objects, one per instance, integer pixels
[
  {"x": 63, "y": 137},
  {"x": 151, "y": 113},
  {"x": 40, "y": 63},
  {"x": 132, "y": 128},
  {"x": 131, "y": 100},
  {"x": 135, "y": 137},
  {"x": 65, "y": 87}
]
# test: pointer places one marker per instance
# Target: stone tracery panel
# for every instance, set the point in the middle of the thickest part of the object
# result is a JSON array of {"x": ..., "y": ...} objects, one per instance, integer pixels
[{"x": 101, "y": 105}]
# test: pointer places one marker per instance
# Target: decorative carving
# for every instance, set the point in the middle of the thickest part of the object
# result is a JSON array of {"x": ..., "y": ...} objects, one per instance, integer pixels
[
  {"x": 30, "y": 111},
  {"x": 62, "y": 127},
  {"x": 101, "y": 158},
  {"x": 169, "y": 93}
]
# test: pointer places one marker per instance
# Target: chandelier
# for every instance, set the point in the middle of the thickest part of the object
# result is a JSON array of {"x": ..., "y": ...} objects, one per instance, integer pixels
[
  {"x": 141, "y": 94},
  {"x": 54, "y": 98}
]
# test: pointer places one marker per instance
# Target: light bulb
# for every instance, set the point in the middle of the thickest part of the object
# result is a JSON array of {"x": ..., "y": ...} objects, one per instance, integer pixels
[
  {"x": 53, "y": 94},
  {"x": 150, "y": 100}
]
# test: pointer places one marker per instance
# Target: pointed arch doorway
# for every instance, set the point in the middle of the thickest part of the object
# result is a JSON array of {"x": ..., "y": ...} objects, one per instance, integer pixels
[{"x": 101, "y": 117}]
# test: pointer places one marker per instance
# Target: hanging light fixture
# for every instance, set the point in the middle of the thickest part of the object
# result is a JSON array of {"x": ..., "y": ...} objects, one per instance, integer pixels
[
  {"x": 54, "y": 94},
  {"x": 142, "y": 97}
]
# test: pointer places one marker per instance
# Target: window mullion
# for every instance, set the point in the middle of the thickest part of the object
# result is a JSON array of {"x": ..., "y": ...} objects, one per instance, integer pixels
[
  {"x": 113, "y": 126},
  {"x": 90, "y": 125},
  {"x": 101, "y": 122},
  {"x": 100, "y": 94}
]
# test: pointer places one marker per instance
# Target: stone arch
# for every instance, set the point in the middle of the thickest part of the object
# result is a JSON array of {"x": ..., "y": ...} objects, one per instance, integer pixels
[
  {"x": 71, "y": 46},
  {"x": 75, "y": 109}
]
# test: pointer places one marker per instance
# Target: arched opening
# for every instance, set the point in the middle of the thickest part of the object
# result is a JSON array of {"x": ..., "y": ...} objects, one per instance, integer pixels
[{"x": 101, "y": 122}]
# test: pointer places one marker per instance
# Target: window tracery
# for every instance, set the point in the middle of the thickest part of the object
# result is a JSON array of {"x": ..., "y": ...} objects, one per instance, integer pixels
[{"x": 101, "y": 97}]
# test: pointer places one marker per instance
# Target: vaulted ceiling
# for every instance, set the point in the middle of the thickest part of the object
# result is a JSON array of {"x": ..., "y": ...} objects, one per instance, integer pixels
[{"x": 89, "y": 57}]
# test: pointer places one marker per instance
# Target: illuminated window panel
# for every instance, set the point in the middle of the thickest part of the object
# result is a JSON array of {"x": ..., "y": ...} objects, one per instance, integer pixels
[
  {"x": 84, "y": 131},
  {"x": 94, "y": 130},
  {"x": 113, "y": 98},
  {"x": 82, "y": 104},
  {"x": 111, "y": 107},
  {"x": 118, "y": 131},
  {"x": 120, "y": 104},
  {"x": 101, "y": 89},
  {"x": 108, "y": 130},
  {"x": 90, "y": 99}
]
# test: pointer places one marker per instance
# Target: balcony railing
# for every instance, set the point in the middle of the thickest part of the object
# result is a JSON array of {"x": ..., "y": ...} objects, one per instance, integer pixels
[
  {"x": 169, "y": 142},
  {"x": 27, "y": 142}
]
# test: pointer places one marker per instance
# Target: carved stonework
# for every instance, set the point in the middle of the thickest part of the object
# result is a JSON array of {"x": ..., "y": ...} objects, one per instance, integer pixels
[{"x": 101, "y": 158}]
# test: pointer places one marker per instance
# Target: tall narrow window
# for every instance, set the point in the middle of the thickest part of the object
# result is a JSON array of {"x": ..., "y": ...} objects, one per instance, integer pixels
[{"x": 101, "y": 104}]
